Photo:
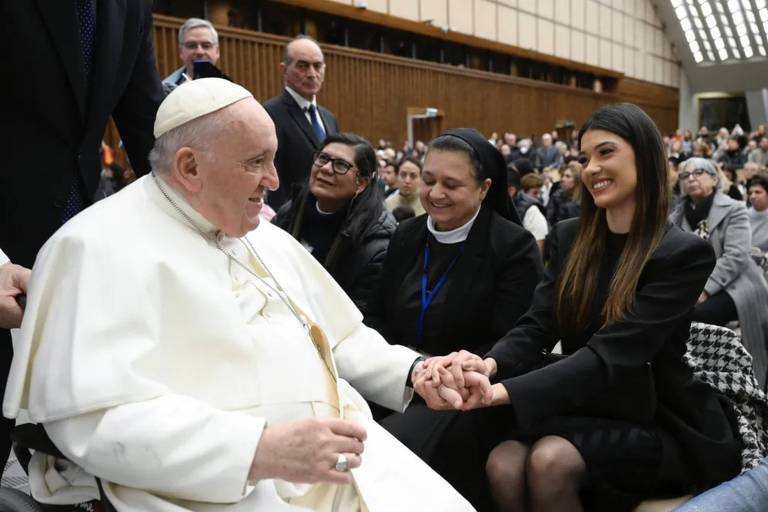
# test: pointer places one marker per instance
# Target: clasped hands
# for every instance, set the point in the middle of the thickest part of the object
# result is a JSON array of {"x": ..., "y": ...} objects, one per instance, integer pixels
[{"x": 460, "y": 380}]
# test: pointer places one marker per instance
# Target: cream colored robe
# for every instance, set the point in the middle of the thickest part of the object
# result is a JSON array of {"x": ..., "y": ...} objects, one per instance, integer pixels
[{"x": 154, "y": 362}]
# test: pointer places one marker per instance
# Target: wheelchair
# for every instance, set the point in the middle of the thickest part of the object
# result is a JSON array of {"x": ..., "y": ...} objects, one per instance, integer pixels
[{"x": 33, "y": 437}]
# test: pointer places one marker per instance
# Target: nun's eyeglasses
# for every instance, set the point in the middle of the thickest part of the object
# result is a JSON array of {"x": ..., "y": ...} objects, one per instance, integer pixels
[
  {"x": 339, "y": 165},
  {"x": 696, "y": 173}
]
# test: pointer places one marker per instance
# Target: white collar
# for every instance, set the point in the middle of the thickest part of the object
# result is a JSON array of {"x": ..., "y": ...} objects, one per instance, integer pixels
[
  {"x": 453, "y": 236},
  {"x": 301, "y": 100},
  {"x": 185, "y": 209},
  {"x": 321, "y": 211}
]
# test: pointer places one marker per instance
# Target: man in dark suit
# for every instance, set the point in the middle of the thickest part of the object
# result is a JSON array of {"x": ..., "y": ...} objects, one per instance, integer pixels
[
  {"x": 70, "y": 65},
  {"x": 300, "y": 122}
]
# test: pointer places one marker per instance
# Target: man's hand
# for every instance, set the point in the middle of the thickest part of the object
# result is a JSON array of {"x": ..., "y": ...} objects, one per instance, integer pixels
[
  {"x": 13, "y": 281},
  {"x": 306, "y": 451}
]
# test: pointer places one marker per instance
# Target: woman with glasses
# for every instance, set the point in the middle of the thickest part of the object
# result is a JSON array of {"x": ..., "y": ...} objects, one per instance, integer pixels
[
  {"x": 620, "y": 417},
  {"x": 458, "y": 277},
  {"x": 736, "y": 289},
  {"x": 339, "y": 215}
]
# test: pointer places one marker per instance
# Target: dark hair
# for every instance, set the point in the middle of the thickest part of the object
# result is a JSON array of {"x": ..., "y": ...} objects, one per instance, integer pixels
[
  {"x": 513, "y": 177},
  {"x": 365, "y": 156},
  {"x": 364, "y": 209},
  {"x": 577, "y": 285},
  {"x": 758, "y": 180},
  {"x": 453, "y": 143},
  {"x": 403, "y": 212},
  {"x": 414, "y": 161},
  {"x": 523, "y": 166}
]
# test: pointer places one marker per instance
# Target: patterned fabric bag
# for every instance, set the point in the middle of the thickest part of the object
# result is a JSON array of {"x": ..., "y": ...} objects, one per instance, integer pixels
[{"x": 719, "y": 359}]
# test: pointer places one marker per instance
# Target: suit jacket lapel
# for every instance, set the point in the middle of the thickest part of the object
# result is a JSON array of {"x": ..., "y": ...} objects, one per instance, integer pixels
[
  {"x": 300, "y": 119},
  {"x": 110, "y": 21},
  {"x": 324, "y": 119},
  {"x": 61, "y": 20}
]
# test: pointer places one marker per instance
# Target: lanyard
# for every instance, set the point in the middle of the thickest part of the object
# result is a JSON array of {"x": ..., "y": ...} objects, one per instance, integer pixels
[{"x": 428, "y": 296}]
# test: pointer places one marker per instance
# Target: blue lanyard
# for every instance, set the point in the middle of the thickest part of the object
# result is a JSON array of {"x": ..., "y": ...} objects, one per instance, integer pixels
[{"x": 428, "y": 296}]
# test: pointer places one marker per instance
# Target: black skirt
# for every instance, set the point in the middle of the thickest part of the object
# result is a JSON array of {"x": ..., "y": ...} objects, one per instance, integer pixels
[{"x": 623, "y": 459}]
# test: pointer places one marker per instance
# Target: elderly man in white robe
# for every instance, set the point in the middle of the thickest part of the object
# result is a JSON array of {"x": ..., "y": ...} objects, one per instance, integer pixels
[{"x": 198, "y": 359}]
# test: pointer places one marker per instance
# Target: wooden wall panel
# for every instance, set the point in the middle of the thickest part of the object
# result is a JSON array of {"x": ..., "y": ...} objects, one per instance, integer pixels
[{"x": 371, "y": 92}]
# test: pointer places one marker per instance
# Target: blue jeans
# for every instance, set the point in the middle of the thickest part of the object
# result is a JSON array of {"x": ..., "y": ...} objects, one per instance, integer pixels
[{"x": 745, "y": 493}]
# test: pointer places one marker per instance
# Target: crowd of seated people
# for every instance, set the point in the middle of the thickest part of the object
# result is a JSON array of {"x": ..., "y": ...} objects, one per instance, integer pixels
[
  {"x": 441, "y": 248},
  {"x": 450, "y": 268}
]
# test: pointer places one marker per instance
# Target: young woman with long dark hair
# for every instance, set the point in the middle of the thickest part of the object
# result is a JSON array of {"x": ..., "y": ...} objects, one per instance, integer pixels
[{"x": 620, "y": 417}]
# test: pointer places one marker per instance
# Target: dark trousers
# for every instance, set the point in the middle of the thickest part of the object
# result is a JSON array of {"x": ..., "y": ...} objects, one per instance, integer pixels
[
  {"x": 719, "y": 309},
  {"x": 6, "y": 425}
]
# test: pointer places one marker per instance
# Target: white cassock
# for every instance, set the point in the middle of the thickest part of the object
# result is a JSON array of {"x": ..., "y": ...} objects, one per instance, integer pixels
[{"x": 154, "y": 360}]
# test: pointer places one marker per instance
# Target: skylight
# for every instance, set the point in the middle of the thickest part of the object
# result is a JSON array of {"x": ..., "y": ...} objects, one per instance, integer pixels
[{"x": 724, "y": 30}]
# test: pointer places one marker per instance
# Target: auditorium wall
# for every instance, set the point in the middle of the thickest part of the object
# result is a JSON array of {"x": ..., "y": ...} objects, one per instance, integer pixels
[
  {"x": 625, "y": 36},
  {"x": 370, "y": 93}
]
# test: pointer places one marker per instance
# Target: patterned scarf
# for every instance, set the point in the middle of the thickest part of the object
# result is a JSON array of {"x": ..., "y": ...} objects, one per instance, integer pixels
[{"x": 696, "y": 215}]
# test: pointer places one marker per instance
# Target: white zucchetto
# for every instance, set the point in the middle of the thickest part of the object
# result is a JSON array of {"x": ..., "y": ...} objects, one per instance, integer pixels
[{"x": 196, "y": 98}]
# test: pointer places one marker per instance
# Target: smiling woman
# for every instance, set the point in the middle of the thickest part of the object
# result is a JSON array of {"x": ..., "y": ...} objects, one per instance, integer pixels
[
  {"x": 340, "y": 218},
  {"x": 457, "y": 278},
  {"x": 619, "y": 417}
]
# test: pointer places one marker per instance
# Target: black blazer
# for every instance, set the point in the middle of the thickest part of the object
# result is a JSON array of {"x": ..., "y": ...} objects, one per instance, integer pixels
[
  {"x": 630, "y": 369},
  {"x": 296, "y": 143},
  {"x": 52, "y": 122},
  {"x": 491, "y": 285}
]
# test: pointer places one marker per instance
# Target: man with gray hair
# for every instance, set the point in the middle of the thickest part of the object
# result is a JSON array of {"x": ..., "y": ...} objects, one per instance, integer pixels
[
  {"x": 198, "y": 41},
  {"x": 200, "y": 359},
  {"x": 300, "y": 122}
]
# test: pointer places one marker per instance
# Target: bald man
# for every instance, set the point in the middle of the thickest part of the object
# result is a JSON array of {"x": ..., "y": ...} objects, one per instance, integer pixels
[{"x": 301, "y": 123}]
